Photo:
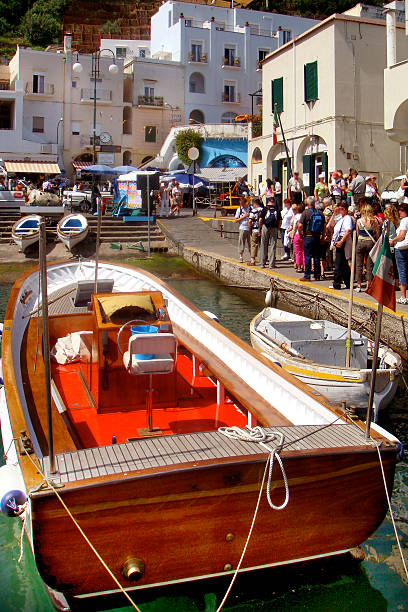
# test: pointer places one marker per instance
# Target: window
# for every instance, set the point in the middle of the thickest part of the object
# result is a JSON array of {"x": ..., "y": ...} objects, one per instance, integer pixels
[
  {"x": 74, "y": 84},
  {"x": 229, "y": 92},
  {"x": 262, "y": 53},
  {"x": 196, "y": 83},
  {"x": 228, "y": 117},
  {"x": 286, "y": 36},
  {"x": 38, "y": 125},
  {"x": 150, "y": 133},
  {"x": 188, "y": 23},
  {"x": 310, "y": 78},
  {"x": 75, "y": 128},
  {"x": 277, "y": 94},
  {"x": 98, "y": 88},
  {"x": 196, "y": 52},
  {"x": 142, "y": 52},
  {"x": 121, "y": 51},
  {"x": 229, "y": 56},
  {"x": 6, "y": 114},
  {"x": 149, "y": 92},
  {"x": 38, "y": 83}
]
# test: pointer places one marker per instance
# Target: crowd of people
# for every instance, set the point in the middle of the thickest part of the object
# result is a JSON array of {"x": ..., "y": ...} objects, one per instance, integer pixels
[{"x": 316, "y": 231}]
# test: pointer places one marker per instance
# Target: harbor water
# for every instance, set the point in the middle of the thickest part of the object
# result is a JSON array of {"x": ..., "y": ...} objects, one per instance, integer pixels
[{"x": 335, "y": 584}]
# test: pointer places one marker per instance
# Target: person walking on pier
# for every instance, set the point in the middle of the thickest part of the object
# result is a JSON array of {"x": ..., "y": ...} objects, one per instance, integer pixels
[
  {"x": 341, "y": 243},
  {"x": 242, "y": 217},
  {"x": 310, "y": 227},
  {"x": 256, "y": 210},
  {"x": 269, "y": 223},
  {"x": 164, "y": 194}
]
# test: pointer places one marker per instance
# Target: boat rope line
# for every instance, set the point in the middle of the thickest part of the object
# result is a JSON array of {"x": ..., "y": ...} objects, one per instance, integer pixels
[
  {"x": 71, "y": 516},
  {"x": 248, "y": 537},
  {"x": 23, "y": 522},
  {"x": 377, "y": 445}
]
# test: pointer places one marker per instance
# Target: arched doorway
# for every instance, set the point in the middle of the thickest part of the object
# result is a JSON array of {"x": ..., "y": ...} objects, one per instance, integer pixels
[
  {"x": 228, "y": 117},
  {"x": 256, "y": 162},
  {"x": 127, "y": 158},
  {"x": 312, "y": 160},
  {"x": 197, "y": 116},
  {"x": 196, "y": 83},
  {"x": 277, "y": 166}
]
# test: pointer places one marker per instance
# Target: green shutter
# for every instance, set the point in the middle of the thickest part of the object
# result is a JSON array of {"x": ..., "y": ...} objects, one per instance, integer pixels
[
  {"x": 325, "y": 165},
  {"x": 150, "y": 133},
  {"x": 277, "y": 169},
  {"x": 310, "y": 77},
  {"x": 277, "y": 94},
  {"x": 307, "y": 169}
]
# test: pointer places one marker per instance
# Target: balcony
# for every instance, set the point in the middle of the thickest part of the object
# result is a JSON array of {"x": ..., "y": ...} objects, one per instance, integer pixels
[
  {"x": 231, "y": 62},
  {"x": 46, "y": 90},
  {"x": 231, "y": 98},
  {"x": 150, "y": 101},
  {"x": 4, "y": 86},
  {"x": 197, "y": 59},
  {"x": 102, "y": 95}
]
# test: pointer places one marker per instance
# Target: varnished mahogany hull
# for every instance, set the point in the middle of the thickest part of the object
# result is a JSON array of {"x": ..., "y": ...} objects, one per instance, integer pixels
[{"x": 177, "y": 521}]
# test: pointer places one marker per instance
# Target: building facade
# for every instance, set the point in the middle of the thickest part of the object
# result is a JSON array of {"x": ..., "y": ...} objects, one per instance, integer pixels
[
  {"x": 328, "y": 88},
  {"x": 220, "y": 49}
]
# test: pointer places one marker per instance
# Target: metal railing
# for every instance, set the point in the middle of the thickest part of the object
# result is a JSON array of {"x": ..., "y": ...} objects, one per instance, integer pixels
[
  {"x": 235, "y": 97},
  {"x": 202, "y": 59},
  {"x": 46, "y": 90},
  {"x": 254, "y": 29},
  {"x": 232, "y": 62},
  {"x": 150, "y": 100},
  {"x": 103, "y": 95}
]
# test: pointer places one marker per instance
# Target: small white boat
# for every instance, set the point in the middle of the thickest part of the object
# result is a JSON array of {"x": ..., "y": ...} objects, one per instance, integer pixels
[
  {"x": 315, "y": 352},
  {"x": 72, "y": 229},
  {"x": 26, "y": 231}
]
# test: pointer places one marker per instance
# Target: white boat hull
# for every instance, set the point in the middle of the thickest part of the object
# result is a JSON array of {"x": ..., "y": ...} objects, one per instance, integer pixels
[
  {"x": 25, "y": 233},
  {"x": 72, "y": 236},
  {"x": 336, "y": 383}
]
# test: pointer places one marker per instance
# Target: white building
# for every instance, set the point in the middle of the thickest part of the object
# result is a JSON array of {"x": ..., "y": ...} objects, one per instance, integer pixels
[
  {"x": 328, "y": 87},
  {"x": 395, "y": 80},
  {"x": 221, "y": 49},
  {"x": 127, "y": 49}
]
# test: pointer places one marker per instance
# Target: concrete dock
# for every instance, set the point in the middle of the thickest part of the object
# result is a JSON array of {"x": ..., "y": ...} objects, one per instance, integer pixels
[{"x": 209, "y": 245}]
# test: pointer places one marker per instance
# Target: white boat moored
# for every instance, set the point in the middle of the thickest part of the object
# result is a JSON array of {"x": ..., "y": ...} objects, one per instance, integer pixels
[
  {"x": 26, "y": 231},
  {"x": 72, "y": 229}
]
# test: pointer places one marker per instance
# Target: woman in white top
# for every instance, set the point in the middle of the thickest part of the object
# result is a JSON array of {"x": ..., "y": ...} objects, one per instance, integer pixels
[
  {"x": 401, "y": 252},
  {"x": 342, "y": 244},
  {"x": 268, "y": 192},
  {"x": 164, "y": 193},
  {"x": 242, "y": 217},
  {"x": 287, "y": 216}
]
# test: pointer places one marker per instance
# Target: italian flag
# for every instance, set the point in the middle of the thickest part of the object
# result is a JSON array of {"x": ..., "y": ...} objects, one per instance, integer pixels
[
  {"x": 275, "y": 127},
  {"x": 382, "y": 287}
]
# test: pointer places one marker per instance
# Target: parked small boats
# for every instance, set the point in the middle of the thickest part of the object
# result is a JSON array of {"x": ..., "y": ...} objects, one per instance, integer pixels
[
  {"x": 145, "y": 390},
  {"x": 26, "y": 231},
  {"x": 72, "y": 229},
  {"x": 315, "y": 352}
]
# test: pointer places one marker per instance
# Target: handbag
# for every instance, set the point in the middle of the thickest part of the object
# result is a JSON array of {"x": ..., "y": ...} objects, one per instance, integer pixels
[{"x": 401, "y": 246}]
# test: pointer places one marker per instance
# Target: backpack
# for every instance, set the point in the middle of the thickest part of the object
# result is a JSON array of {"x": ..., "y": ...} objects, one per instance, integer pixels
[
  {"x": 316, "y": 222},
  {"x": 271, "y": 217}
]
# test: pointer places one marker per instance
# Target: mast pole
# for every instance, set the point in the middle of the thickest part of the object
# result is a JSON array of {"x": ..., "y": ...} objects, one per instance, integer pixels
[
  {"x": 46, "y": 342},
  {"x": 350, "y": 307},
  {"x": 284, "y": 143}
]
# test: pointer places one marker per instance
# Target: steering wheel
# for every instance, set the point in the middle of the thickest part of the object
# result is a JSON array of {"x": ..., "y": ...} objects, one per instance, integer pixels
[{"x": 137, "y": 321}]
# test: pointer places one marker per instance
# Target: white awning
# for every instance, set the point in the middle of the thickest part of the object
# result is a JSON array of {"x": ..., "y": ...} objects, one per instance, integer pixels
[{"x": 21, "y": 167}]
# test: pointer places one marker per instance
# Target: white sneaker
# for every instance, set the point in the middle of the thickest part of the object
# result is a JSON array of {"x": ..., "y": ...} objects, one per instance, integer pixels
[
  {"x": 358, "y": 289},
  {"x": 402, "y": 300}
]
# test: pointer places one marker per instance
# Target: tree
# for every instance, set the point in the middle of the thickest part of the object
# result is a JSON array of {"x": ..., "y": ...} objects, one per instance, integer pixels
[
  {"x": 41, "y": 25},
  {"x": 184, "y": 141}
]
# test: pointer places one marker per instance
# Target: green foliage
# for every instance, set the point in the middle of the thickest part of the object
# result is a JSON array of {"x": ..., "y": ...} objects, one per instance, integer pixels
[
  {"x": 111, "y": 27},
  {"x": 11, "y": 12},
  {"x": 41, "y": 25},
  {"x": 185, "y": 140}
]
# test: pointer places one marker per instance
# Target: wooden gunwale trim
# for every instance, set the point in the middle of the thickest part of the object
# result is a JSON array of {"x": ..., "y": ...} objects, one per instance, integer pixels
[{"x": 237, "y": 462}]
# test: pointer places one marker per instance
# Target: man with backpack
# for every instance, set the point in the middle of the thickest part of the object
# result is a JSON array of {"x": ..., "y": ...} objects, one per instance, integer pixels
[
  {"x": 269, "y": 224},
  {"x": 310, "y": 227}
]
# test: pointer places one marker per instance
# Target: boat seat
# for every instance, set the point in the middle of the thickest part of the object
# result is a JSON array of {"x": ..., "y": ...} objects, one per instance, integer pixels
[{"x": 151, "y": 354}]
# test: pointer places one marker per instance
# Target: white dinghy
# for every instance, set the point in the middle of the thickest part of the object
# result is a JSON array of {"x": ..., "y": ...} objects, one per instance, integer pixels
[
  {"x": 72, "y": 229},
  {"x": 26, "y": 231},
  {"x": 315, "y": 351}
]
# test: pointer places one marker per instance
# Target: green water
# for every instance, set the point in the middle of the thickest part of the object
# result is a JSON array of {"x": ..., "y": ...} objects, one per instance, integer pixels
[{"x": 336, "y": 584}]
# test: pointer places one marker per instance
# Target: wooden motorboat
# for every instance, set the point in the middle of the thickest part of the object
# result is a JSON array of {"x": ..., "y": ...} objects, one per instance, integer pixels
[
  {"x": 315, "y": 352},
  {"x": 72, "y": 229},
  {"x": 140, "y": 390},
  {"x": 26, "y": 231}
]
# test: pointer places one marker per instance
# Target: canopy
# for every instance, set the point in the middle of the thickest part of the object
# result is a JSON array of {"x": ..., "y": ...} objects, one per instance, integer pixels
[
  {"x": 222, "y": 175},
  {"x": 185, "y": 180},
  {"x": 132, "y": 176},
  {"x": 81, "y": 165},
  {"x": 32, "y": 167},
  {"x": 124, "y": 169},
  {"x": 100, "y": 169}
]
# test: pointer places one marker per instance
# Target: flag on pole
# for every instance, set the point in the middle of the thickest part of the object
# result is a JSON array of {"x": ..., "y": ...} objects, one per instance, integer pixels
[
  {"x": 275, "y": 127},
  {"x": 382, "y": 287}
]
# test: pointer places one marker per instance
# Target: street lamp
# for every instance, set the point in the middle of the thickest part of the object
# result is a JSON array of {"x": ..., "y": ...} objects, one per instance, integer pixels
[
  {"x": 95, "y": 73},
  {"x": 61, "y": 120}
]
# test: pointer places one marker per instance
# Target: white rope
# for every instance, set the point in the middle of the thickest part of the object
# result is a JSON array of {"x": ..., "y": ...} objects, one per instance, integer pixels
[
  {"x": 23, "y": 522},
  {"x": 260, "y": 436},
  {"x": 390, "y": 509}
]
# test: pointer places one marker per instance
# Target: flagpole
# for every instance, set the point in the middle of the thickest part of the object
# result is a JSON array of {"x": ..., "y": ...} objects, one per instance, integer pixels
[
  {"x": 374, "y": 370},
  {"x": 350, "y": 309},
  {"x": 284, "y": 142}
]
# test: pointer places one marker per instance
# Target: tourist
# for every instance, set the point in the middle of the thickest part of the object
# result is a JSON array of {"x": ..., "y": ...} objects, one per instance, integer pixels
[
  {"x": 278, "y": 192},
  {"x": 287, "y": 215},
  {"x": 164, "y": 194},
  {"x": 268, "y": 192},
  {"x": 378, "y": 214},
  {"x": 370, "y": 190},
  {"x": 242, "y": 217},
  {"x": 269, "y": 223},
  {"x": 337, "y": 187},
  {"x": 390, "y": 225},
  {"x": 176, "y": 199},
  {"x": 404, "y": 186},
  {"x": 368, "y": 232},
  {"x": 95, "y": 198},
  {"x": 401, "y": 251},
  {"x": 254, "y": 215},
  {"x": 321, "y": 188},
  {"x": 296, "y": 189},
  {"x": 241, "y": 187},
  {"x": 341, "y": 244},
  {"x": 297, "y": 240},
  {"x": 310, "y": 227},
  {"x": 2, "y": 184},
  {"x": 324, "y": 242},
  {"x": 46, "y": 186},
  {"x": 357, "y": 187}
]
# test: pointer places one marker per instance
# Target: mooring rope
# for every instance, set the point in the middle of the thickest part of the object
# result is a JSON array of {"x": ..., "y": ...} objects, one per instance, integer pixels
[{"x": 37, "y": 466}]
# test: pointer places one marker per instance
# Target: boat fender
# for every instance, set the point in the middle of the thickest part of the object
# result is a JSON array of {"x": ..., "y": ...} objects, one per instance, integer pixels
[
  {"x": 211, "y": 315},
  {"x": 268, "y": 298},
  {"x": 12, "y": 496}
]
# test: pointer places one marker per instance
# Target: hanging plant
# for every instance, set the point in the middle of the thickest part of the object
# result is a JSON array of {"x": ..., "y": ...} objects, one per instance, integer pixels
[{"x": 184, "y": 141}]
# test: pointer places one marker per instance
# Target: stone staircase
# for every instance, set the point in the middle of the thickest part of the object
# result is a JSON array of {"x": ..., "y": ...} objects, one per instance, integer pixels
[{"x": 114, "y": 230}]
